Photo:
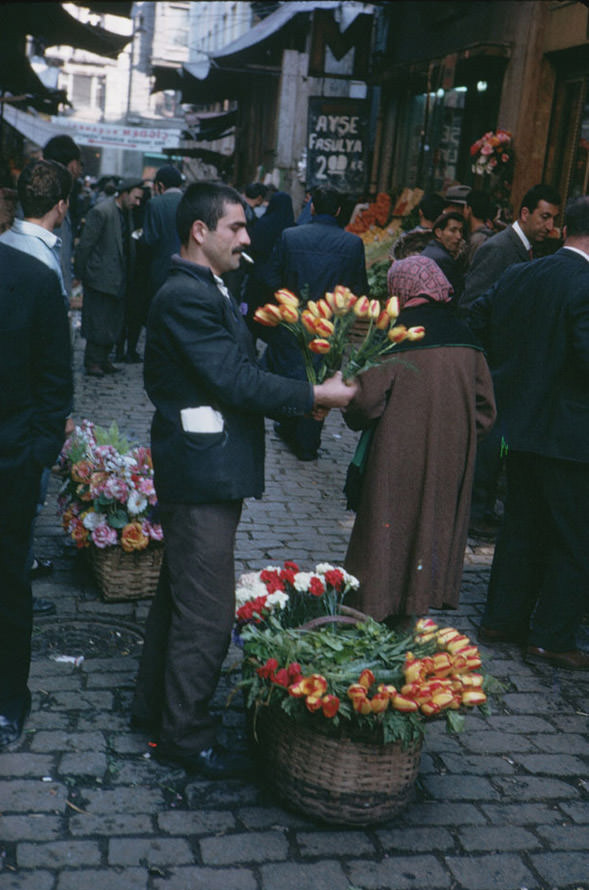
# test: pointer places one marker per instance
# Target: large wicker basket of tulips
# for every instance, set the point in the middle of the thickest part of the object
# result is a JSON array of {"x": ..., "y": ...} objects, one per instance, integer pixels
[{"x": 338, "y": 704}]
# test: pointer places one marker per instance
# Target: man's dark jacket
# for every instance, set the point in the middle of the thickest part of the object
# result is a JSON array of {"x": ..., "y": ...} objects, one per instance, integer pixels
[
  {"x": 199, "y": 352},
  {"x": 318, "y": 255},
  {"x": 449, "y": 266},
  {"x": 534, "y": 324},
  {"x": 160, "y": 235},
  {"x": 35, "y": 362},
  {"x": 490, "y": 261}
]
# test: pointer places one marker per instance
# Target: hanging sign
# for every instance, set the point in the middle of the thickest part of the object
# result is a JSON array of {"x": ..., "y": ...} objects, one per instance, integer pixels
[{"x": 336, "y": 144}]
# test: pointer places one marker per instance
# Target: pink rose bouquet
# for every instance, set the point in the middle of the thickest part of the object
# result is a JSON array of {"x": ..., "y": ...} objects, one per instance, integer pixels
[{"x": 108, "y": 497}]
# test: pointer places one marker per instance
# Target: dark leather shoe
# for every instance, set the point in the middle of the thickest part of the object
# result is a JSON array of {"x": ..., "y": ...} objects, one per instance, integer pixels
[
  {"x": 43, "y": 607},
  {"x": 133, "y": 358},
  {"x": 215, "y": 762},
  {"x": 94, "y": 371},
  {"x": 12, "y": 719},
  {"x": 573, "y": 660},
  {"x": 109, "y": 368},
  {"x": 41, "y": 568},
  {"x": 487, "y": 635}
]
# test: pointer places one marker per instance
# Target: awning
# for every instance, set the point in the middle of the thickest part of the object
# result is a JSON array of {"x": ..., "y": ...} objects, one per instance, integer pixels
[
  {"x": 50, "y": 25},
  {"x": 220, "y": 76},
  {"x": 208, "y": 125}
]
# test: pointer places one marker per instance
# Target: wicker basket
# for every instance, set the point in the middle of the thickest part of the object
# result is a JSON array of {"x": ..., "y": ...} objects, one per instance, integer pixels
[
  {"x": 126, "y": 576},
  {"x": 339, "y": 781}
]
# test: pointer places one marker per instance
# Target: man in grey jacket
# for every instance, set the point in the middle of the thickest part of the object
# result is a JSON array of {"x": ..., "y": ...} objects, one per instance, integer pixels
[
  {"x": 515, "y": 244},
  {"x": 104, "y": 261}
]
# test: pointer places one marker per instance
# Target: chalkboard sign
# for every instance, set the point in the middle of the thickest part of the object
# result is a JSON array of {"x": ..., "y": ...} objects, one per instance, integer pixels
[{"x": 336, "y": 144}]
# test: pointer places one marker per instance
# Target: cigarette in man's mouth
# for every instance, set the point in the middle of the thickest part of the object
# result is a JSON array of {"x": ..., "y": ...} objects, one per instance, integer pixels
[{"x": 246, "y": 257}]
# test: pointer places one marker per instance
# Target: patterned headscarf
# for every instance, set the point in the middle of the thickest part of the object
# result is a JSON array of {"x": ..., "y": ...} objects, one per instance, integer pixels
[{"x": 416, "y": 280}]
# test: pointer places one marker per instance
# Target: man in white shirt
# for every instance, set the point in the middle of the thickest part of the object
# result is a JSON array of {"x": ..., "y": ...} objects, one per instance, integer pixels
[{"x": 43, "y": 190}]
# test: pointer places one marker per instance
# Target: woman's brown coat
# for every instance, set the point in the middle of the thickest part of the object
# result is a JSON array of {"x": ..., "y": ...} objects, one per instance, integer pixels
[{"x": 407, "y": 544}]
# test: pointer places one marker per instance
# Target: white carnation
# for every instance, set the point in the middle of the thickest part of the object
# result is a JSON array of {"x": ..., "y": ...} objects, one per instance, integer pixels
[
  {"x": 302, "y": 581},
  {"x": 136, "y": 503},
  {"x": 92, "y": 520},
  {"x": 249, "y": 591},
  {"x": 278, "y": 599}
]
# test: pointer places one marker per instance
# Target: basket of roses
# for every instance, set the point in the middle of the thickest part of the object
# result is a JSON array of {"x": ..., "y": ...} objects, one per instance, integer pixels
[
  {"x": 108, "y": 506},
  {"x": 337, "y": 702}
]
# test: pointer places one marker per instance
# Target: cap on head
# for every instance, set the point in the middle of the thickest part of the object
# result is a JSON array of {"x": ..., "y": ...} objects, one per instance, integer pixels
[
  {"x": 457, "y": 194},
  {"x": 128, "y": 184}
]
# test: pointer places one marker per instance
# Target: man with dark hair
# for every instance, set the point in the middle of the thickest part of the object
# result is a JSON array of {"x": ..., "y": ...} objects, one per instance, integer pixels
[
  {"x": 35, "y": 397},
  {"x": 254, "y": 196},
  {"x": 310, "y": 260},
  {"x": 43, "y": 191},
  {"x": 539, "y": 208},
  {"x": 478, "y": 213},
  {"x": 414, "y": 240},
  {"x": 104, "y": 262},
  {"x": 534, "y": 324},
  {"x": 208, "y": 452},
  {"x": 445, "y": 246},
  {"x": 64, "y": 150},
  {"x": 159, "y": 225}
]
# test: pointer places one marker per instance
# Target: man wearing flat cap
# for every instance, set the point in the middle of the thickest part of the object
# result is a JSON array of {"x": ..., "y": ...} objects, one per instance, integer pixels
[
  {"x": 159, "y": 226},
  {"x": 104, "y": 263}
]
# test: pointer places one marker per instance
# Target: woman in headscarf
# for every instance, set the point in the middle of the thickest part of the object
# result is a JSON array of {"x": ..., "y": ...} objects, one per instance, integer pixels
[
  {"x": 265, "y": 234},
  {"x": 429, "y": 405}
]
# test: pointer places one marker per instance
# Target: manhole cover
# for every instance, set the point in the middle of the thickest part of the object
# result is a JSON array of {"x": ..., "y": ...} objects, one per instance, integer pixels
[{"x": 91, "y": 639}]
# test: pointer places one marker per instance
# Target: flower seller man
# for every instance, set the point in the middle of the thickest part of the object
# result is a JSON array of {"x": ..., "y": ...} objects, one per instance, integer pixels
[{"x": 207, "y": 439}]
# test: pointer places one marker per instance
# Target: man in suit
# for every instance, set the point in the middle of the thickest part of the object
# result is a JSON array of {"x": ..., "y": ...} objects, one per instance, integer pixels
[
  {"x": 444, "y": 248},
  {"x": 104, "y": 262},
  {"x": 64, "y": 150},
  {"x": 35, "y": 397},
  {"x": 159, "y": 226},
  {"x": 534, "y": 323},
  {"x": 208, "y": 453},
  {"x": 44, "y": 189},
  {"x": 539, "y": 208},
  {"x": 310, "y": 260}
]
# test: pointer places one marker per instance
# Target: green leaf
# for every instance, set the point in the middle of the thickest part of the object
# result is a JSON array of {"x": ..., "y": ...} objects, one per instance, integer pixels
[{"x": 118, "y": 519}]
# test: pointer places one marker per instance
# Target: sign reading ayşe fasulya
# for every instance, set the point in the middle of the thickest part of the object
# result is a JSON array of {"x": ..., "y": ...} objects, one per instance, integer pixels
[{"x": 336, "y": 143}]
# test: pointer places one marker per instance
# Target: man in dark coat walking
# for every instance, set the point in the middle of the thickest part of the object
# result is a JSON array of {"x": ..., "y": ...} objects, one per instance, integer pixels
[
  {"x": 534, "y": 323},
  {"x": 104, "y": 263},
  {"x": 35, "y": 397},
  {"x": 208, "y": 453},
  {"x": 159, "y": 226},
  {"x": 310, "y": 260}
]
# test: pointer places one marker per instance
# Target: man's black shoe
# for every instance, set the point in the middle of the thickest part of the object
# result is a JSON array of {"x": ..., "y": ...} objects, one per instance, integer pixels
[
  {"x": 133, "y": 358},
  {"x": 12, "y": 719},
  {"x": 42, "y": 606},
  {"x": 41, "y": 568},
  {"x": 109, "y": 368},
  {"x": 215, "y": 762}
]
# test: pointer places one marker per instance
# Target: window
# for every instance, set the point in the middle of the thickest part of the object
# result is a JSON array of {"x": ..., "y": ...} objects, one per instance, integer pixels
[{"x": 82, "y": 90}]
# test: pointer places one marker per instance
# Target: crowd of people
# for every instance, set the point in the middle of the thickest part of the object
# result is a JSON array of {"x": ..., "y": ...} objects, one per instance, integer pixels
[{"x": 504, "y": 360}]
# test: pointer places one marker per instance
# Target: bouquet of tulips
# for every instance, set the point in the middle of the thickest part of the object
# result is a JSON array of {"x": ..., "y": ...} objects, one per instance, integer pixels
[
  {"x": 350, "y": 675},
  {"x": 322, "y": 328}
]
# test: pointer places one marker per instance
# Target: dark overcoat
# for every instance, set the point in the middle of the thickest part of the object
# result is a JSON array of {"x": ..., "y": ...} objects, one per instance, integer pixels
[{"x": 199, "y": 352}]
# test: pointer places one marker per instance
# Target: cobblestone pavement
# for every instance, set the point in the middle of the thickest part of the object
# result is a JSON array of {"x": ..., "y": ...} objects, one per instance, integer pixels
[{"x": 83, "y": 807}]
